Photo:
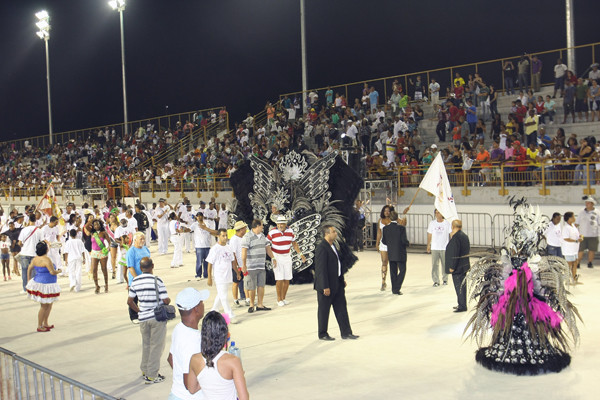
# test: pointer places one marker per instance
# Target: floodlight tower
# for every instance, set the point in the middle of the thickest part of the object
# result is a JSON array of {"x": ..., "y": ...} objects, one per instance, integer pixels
[
  {"x": 43, "y": 24},
  {"x": 119, "y": 5}
]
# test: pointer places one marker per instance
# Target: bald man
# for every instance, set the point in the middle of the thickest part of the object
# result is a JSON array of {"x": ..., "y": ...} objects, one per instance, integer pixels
[{"x": 457, "y": 262}]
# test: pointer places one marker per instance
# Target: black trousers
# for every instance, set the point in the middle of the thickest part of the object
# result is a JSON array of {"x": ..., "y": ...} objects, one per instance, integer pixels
[
  {"x": 461, "y": 291},
  {"x": 338, "y": 301},
  {"x": 397, "y": 274}
]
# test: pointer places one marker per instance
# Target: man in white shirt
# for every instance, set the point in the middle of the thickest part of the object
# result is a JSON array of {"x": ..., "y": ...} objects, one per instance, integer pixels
[
  {"x": 185, "y": 340},
  {"x": 202, "y": 241},
  {"x": 587, "y": 222},
  {"x": 29, "y": 237},
  {"x": 221, "y": 263},
  {"x": 235, "y": 244},
  {"x": 438, "y": 236},
  {"x": 553, "y": 236},
  {"x": 162, "y": 218},
  {"x": 434, "y": 92},
  {"x": 187, "y": 218},
  {"x": 223, "y": 216},
  {"x": 131, "y": 221},
  {"x": 560, "y": 72},
  {"x": 210, "y": 215}
]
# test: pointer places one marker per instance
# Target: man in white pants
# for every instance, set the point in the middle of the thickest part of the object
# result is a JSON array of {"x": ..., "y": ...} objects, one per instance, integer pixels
[
  {"x": 438, "y": 236},
  {"x": 281, "y": 239},
  {"x": 187, "y": 217},
  {"x": 73, "y": 252},
  {"x": 222, "y": 259},
  {"x": 176, "y": 230},
  {"x": 162, "y": 218}
]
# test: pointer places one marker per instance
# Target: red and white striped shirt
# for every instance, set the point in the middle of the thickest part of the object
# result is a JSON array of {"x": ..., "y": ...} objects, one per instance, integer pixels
[{"x": 281, "y": 242}]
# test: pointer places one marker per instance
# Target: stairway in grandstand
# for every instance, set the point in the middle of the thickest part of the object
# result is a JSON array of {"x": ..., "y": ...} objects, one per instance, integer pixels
[{"x": 581, "y": 129}]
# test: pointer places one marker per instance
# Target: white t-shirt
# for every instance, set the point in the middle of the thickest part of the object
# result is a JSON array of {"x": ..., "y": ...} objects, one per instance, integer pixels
[
  {"x": 570, "y": 248},
  {"x": 223, "y": 215},
  {"x": 50, "y": 233},
  {"x": 173, "y": 226},
  {"x": 185, "y": 342},
  {"x": 209, "y": 217},
  {"x": 201, "y": 236},
  {"x": 235, "y": 244},
  {"x": 440, "y": 234},
  {"x": 30, "y": 240},
  {"x": 165, "y": 218},
  {"x": 553, "y": 235},
  {"x": 588, "y": 222},
  {"x": 132, "y": 224},
  {"x": 74, "y": 248},
  {"x": 122, "y": 231},
  {"x": 221, "y": 257}
]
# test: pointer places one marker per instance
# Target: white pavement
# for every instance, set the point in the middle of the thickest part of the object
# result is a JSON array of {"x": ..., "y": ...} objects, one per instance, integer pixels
[{"x": 410, "y": 346}]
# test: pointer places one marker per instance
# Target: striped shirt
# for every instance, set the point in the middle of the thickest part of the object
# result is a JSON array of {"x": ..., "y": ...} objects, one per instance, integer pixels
[
  {"x": 281, "y": 242},
  {"x": 144, "y": 288},
  {"x": 257, "y": 253}
]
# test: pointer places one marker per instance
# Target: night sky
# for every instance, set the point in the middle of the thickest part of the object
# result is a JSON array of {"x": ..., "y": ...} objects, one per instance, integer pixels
[{"x": 241, "y": 53}]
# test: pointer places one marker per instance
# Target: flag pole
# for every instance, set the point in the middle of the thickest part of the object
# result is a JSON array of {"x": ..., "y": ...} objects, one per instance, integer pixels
[{"x": 411, "y": 202}]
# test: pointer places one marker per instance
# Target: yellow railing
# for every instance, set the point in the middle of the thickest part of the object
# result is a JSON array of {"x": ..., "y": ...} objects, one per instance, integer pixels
[
  {"x": 160, "y": 123},
  {"x": 490, "y": 70},
  {"x": 504, "y": 176}
]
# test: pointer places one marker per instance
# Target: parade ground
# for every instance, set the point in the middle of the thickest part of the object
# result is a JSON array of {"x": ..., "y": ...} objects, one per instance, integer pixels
[{"x": 410, "y": 346}]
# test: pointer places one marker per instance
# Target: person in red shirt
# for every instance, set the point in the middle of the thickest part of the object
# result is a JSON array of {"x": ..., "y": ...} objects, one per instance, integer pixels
[
  {"x": 454, "y": 114},
  {"x": 520, "y": 114}
]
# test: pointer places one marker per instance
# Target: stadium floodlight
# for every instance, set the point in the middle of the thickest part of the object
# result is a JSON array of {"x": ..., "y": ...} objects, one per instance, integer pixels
[
  {"x": 43, "y": 24},
  {"x": 119, "y": 5}
]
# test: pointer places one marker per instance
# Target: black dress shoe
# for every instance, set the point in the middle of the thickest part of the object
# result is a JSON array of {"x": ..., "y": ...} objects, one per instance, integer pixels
[
  {"x": 400, "y": 293},
  {"x": 327, "y": 338},
  {"x": 460, "y": 310},
  {"x": 455, "y": 307},
  {"x": 350, "y": 336}
]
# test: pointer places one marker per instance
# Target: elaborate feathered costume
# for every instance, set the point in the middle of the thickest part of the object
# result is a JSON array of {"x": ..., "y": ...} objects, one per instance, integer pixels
[
  {"x": 522, "y": 298},
  {"x": 310, "y": 192}
]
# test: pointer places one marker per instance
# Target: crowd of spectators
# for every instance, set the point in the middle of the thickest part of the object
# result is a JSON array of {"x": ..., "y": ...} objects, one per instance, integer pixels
[{"x": 472, "y": 136}]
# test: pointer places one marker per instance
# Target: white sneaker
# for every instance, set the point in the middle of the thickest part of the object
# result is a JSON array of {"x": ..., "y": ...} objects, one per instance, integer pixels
[
  {"x": 285, "y": 302},
  {"x": 22, "y": 292},
  {"x": 280, "y": 303},
  {"x": 247, "y": 302}
]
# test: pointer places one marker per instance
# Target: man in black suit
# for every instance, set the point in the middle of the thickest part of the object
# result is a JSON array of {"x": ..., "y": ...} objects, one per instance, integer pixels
[
  {"x": 458, "y": 263},
  {"x": 330, "y": 286},
  {"x": 394, "y": 237}
]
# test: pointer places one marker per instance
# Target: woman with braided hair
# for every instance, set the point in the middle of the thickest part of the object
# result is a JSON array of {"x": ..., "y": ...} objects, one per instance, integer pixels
[{"x": 214, "y": 371}]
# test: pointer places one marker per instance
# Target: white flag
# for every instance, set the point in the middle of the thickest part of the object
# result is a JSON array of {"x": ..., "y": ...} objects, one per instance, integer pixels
[{"x": 436, "y": 182}]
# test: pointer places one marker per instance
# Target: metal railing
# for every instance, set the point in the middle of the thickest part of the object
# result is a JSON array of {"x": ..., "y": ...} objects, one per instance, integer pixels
[
  {"x": 160, "y": 123},
  {"x": 23, "y": 379},
  {"x": 491, "y": 70}
]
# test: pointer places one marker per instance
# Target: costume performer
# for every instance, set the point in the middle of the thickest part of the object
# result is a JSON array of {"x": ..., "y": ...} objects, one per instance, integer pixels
[
  {"x": 522, "y": 298},
  {"x": 309, "y": 192}
]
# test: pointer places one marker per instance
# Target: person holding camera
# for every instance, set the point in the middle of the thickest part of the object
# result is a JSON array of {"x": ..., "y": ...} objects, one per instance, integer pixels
[{"x": 145, "y": 287}]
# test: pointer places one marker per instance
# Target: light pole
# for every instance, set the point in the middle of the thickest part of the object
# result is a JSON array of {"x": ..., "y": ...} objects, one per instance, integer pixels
[
  {"x": 43, "y": 25},
  {"x": 119, "y": 5},
  {"x": 303, "y": 46},
  {"x": 570, "y": 35}
]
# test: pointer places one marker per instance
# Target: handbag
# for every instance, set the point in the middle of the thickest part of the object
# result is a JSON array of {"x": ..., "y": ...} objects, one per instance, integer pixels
[{"x": 162, "y": 312}]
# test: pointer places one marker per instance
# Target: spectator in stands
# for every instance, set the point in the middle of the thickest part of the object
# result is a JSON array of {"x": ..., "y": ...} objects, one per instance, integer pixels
[
  {"x": 569, "y": 101},
  {"x": 536, "y": 72},
  {"x": 585, "y": 154},
  {"x": 434, "y": 92},
  {"x": 581, "y": 100},
  {"x": 523, "y": 68},
  {"x": 153, "y": 332},
  {"x": 531, "y": 124},
  {"x": 594, "y": 100},
  {"x": 440, "y": 129},
  {"x": 509, "y": 69},
  {"x": 560, "y": 70},
  {"x": 373, "y": 98}
]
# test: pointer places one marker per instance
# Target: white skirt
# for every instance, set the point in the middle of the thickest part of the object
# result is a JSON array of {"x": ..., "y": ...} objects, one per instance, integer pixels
[
  {"x": 382, "y": 247},
  {"x": 45, "y": 293}
]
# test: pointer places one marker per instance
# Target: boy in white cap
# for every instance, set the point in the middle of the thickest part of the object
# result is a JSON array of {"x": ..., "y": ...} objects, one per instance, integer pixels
[
  {"x": 221, "y": 263},
  {"x": 281, "y": 239},
  {"x": 185, "y": 340}
]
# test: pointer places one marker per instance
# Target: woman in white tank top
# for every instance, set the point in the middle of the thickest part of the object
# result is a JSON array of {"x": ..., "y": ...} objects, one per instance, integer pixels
[{"x": 214, "y": 371}]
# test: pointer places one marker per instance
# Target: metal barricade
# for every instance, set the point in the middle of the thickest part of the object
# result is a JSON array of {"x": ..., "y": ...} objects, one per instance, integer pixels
[
  {"x": 416, "y": 228},
  {"x": 23, "y": 379},
  {"x": 478, "y": 227}
]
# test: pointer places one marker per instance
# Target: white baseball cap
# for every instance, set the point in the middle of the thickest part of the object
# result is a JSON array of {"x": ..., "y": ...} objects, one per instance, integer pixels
[{"x": 189, "y": 298}]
